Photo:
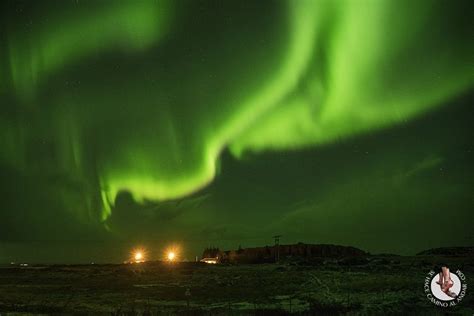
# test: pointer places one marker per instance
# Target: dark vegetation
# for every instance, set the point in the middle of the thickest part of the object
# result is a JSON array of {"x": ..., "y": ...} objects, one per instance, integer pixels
[{"x": 357, "y": 285}]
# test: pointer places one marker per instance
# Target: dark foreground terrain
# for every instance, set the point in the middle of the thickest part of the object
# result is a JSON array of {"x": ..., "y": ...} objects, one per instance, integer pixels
[{"x": 353, "y": 286}]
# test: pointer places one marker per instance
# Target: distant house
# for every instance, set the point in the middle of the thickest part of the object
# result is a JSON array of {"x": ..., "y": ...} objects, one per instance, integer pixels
[
  {"x": 210, "y": 260},
  {"x": 267, "y": 254},
  {"x": 211, "y": 255}
]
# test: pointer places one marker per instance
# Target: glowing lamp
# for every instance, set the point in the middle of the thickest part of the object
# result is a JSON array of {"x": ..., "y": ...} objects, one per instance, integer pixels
[{"x": 138, "y": 256}]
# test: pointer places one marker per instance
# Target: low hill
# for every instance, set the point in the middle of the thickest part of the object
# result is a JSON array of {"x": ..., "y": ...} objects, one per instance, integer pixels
[
  {"x": 448, "y": 251},
  {"x": 270, "y": 253}
]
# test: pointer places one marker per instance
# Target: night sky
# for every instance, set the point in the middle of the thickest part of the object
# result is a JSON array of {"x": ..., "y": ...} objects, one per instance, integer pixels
[{"x": 223, "y": 123}]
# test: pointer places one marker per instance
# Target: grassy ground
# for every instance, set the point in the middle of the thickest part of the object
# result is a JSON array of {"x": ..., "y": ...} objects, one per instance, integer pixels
[{"x": 376, "y": 285}]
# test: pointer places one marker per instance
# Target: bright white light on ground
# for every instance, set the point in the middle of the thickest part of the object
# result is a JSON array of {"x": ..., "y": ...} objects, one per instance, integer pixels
[{"x": 138, "y": 256}]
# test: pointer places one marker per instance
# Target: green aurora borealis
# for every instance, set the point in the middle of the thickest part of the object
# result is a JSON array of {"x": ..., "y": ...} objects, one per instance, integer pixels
[{"x": 227, "y": 122}]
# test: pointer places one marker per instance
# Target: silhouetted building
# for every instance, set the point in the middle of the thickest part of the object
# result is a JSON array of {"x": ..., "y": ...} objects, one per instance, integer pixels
[
  {"x": 269, "y": 253},
  {"x": 211, "y": 255}
]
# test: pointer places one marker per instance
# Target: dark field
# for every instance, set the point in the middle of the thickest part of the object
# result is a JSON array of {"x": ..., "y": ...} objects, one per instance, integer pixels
[{"x": 358, "y": 286}]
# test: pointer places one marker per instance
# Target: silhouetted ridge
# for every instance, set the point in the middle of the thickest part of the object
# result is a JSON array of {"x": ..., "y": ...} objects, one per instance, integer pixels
[
  {"x": 448, "y": 251},
  {"x": 269, "y": 253}
]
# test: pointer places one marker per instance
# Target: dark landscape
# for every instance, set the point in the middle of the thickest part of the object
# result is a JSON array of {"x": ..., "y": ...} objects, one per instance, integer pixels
[{"x": 358, "y": 285}]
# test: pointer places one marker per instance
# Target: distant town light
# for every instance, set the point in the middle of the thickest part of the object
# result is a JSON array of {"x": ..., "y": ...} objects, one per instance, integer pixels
[
  {"x": 172, "y": 253},
  {"x": 210, "y": 260},
  {"x": 138, "y": 256}
]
